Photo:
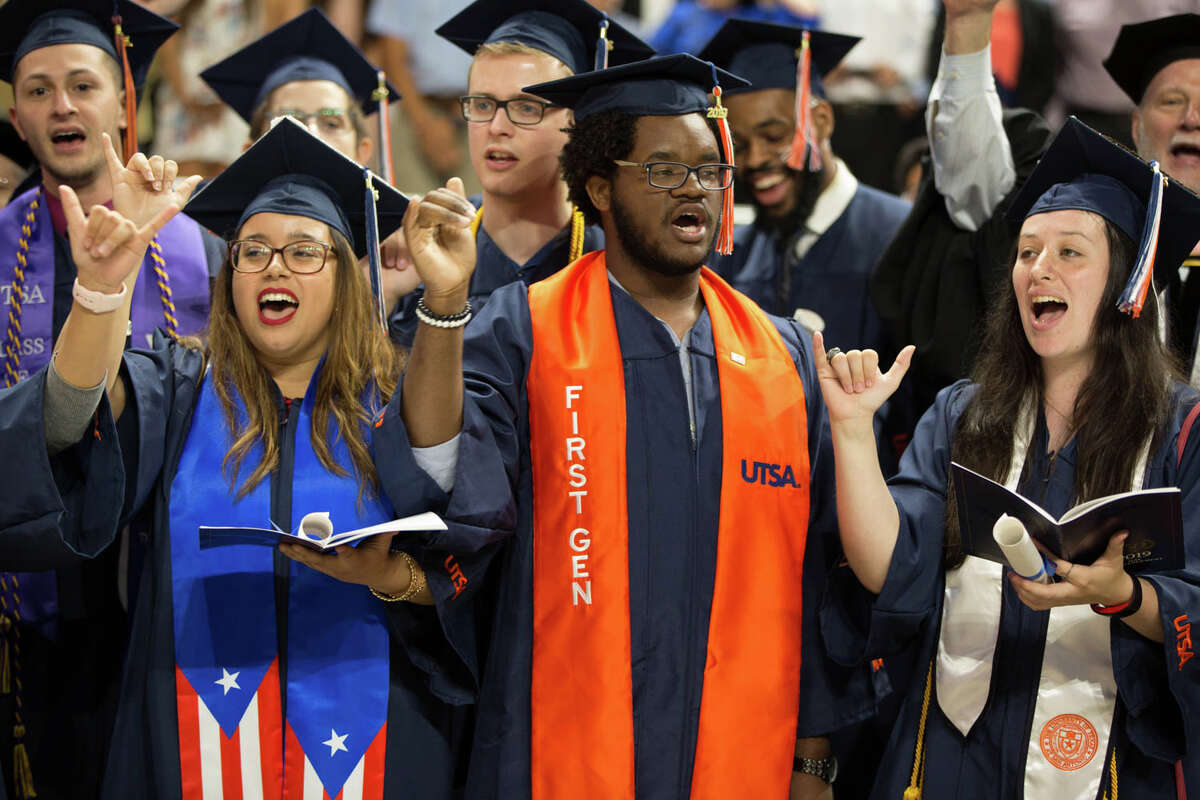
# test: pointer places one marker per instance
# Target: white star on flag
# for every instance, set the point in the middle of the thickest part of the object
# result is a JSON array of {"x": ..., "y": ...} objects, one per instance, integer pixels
[
  {"x": 228, "y": 681},
  {"x": 335, "y": 742}
]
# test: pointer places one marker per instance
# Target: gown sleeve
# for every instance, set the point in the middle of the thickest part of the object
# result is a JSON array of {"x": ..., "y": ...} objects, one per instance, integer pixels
[
  {"x": 859, "y": 626},
  {"x": 72, "y": 505},
  {"x": 1159, "y": 684},
  {"x": 480, "y": 511},
  {"x": 832, "y": 696},
  {"x": 55, "y": 510}
]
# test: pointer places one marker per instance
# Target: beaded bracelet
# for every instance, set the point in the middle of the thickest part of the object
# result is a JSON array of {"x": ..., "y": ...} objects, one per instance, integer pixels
[
  {"x": 443, "y": 320},
  {"x": 1126, "y": 609},
  {"x": 416, "y": 582}
]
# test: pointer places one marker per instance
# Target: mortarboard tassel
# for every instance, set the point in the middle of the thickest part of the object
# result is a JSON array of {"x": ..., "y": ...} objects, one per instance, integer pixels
[
  {"x": 603, "y": 45},
  {"x": 1142, "y": 274},
  {"x": 724, "y": 243},
  {"x": 123, "y": 44},
  {"x": 22, "y": 770},
  {"x": 804, "y": 153},
  {"x": 375, "y": 268},
  {"x": 380, "y": 96}
]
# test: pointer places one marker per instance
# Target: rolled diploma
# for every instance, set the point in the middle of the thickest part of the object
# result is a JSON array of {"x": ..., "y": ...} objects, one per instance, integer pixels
[
  {"x": 1023, "y": 556},
  {"x": 316, "y": 525}
]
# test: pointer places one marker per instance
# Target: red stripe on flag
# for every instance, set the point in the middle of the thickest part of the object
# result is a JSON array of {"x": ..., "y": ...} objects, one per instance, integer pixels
[
  {"x": 374, "y": 761},
  {"x": 186, "y": 701},
  {"x": 293, "y": 766},
  {"x": 231, "y": 766},
  {"x": 270, "y": 733}
]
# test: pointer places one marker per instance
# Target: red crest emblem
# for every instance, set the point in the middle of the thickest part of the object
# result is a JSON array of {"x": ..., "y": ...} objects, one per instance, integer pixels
[{"x": 1069, "y": 742}]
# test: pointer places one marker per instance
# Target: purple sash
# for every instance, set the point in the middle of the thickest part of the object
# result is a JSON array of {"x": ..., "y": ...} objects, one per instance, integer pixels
[{"x": 183, "y": 251}]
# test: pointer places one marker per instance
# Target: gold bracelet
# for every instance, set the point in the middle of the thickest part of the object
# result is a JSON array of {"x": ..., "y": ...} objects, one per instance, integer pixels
[{"x": 416, "y": 582}]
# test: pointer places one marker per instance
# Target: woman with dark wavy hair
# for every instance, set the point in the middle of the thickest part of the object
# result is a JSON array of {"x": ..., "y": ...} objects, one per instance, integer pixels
[
  {"x": 1082, "y": 687},
  {"x": 249, "y": 674}
]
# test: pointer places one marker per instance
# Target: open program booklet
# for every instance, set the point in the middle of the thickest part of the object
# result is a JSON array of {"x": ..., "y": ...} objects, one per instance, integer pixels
[
  {"x": 1152, "y": 517},
  {"x": 315, "y": 532}
]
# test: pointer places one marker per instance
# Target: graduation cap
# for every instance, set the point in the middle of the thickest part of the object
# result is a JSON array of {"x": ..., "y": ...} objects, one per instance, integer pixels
[
  {"x": 1142, "y": 50},
  {"x": 661, "y": 86},
  {"x": 1084, "y": 170},
  {"x": 308, "y": 48},
  {"x": 128, "y": 32},
  {"x": 291, "y": 171},
  {"x": 573, "y": 31},
  {"x": 791, "y": 57}
]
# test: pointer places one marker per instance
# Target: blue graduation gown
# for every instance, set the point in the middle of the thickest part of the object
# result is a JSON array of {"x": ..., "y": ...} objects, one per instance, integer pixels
[
  {"x": 673, "y": 498},
  {"x": 494, "y": 269},
  {"x": 1158, "y": 699},
  {"x": 71, "y": 654},
  {"x": 77, "y": 501},
  {"x": 833, "y": 276}
]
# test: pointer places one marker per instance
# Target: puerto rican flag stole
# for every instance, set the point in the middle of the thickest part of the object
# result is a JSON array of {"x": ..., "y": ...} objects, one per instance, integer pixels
[
  {"x": 234, "y": 686},
  {"x": 582, "y": 684}
]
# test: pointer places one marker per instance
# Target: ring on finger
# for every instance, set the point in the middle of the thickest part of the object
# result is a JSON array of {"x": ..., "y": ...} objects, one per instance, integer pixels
[{"x": 831, "y": 353}]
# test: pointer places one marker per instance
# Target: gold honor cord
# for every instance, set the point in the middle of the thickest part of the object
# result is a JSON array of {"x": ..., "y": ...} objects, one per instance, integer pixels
[
  {"x": 164, "y": 288},
  {"x": 12, "y": 338},
  {"x": 578, "y": 228},
  {"x": 10, "y": 680}
]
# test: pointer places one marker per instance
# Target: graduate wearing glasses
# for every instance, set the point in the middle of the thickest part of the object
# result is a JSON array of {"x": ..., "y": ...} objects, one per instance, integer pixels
[
  {"x": 249, "y": 674},
  {"x": 526, "y": 228},
  {"x": 652, "y": 448}
]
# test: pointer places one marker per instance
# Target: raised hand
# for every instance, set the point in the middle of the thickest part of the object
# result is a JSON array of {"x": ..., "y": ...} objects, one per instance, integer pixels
[
  {"x": 145, "y": 186},
  {"x": 107, "y": 246},
  {"x": 438, "y": 229},
  {"x": 851, "y": 383}
]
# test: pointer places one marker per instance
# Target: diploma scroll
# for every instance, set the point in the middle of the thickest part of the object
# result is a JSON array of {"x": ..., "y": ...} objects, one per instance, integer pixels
[{"x": 1018, "y": 548}]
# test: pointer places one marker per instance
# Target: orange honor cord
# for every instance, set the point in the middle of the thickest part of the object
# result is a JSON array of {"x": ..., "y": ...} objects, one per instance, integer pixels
[
  {"x": 724, "y": 243},
  {"x": 581, "y": 689},
  {"x": 804, "y": 153},
  {"x": 123, "y": 44},
  {"x": 380, "y": 96}
]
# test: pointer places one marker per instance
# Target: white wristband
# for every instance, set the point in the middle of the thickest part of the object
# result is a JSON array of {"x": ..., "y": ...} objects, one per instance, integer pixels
[{"x": 98, "y": 302}]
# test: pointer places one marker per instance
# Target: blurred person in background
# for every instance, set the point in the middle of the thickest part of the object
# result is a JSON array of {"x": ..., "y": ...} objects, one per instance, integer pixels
[
  {"x": 880, "y": 87},
  {"x": 692, "y": 23},
  {"x": 201, "y": 133}
]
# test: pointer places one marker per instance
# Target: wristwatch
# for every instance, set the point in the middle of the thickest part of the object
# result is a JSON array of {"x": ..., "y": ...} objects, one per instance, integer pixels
[{"x": 824, "y": 768}]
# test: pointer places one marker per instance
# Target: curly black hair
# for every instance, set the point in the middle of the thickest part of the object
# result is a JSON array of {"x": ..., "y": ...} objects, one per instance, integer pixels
[{"x": 591, "y": 148}]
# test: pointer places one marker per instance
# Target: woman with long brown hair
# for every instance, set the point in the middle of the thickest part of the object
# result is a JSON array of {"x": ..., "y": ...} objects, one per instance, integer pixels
[
  {"x": 249, "y": 674},
  {"x": 1067, "y": 688}
]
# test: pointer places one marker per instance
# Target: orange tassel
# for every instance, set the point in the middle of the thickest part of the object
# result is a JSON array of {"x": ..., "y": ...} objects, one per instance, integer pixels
[
  {"x": 122, "y": 42},
  {"x": 22, "y": 770},
  {"x": 724, "y": 244},
  {"x": 804, "y": 153}
]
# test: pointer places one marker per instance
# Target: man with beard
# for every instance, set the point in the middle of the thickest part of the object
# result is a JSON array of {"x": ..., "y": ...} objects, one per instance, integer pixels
[
  {"x": 62, "y": 625},
  {"x": 817, "y": 231},
  {"x": 634, "y": 458}
]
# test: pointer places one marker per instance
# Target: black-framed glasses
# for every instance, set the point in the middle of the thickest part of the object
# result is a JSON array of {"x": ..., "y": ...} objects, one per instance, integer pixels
[
  {"x": 520, "y": 110},
  {"x": 302, "y": 257},
  {"x": 672, "y": 174},
  {"x": 323, "y": 120}
]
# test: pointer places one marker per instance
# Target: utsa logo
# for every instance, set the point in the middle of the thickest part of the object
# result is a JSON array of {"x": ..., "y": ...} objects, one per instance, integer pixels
[
  {"x": 1183, "y": 639},
  {"x": 457, "y": 578},
  {"x": 769, "y": 474}
]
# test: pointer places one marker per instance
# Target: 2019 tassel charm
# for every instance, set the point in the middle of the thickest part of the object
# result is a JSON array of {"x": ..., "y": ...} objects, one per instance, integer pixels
[{"x": 724, "y": 243}]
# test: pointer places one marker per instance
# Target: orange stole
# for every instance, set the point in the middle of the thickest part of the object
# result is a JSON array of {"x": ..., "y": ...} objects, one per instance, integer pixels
[{"x": 582, "y": 684}]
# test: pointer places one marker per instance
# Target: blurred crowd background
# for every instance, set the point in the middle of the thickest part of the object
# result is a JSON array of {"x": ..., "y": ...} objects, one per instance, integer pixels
[{"x": 1046, "y": 56}]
